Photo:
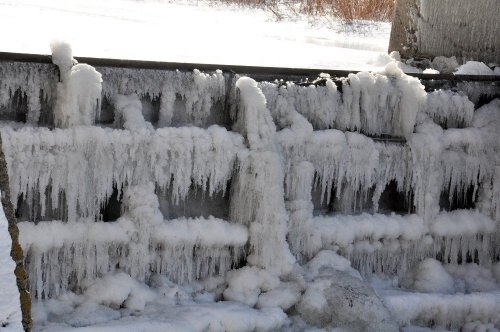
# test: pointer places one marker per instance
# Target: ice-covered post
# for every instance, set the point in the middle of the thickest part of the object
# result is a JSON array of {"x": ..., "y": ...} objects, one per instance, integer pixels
[
  {"x": 257, "y": 200},
  {"x": 79, "y": 89}
]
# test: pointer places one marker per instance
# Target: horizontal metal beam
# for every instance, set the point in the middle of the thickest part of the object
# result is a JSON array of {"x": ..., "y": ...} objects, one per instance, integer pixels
[{"x": 271, "y": 72}]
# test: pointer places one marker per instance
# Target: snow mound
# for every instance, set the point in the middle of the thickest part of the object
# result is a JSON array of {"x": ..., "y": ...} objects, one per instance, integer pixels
[
  {"x": 431, "y": 277},
  {"x": 474, "y": 68}
]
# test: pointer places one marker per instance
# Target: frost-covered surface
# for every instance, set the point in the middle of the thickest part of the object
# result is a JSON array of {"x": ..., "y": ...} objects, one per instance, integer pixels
[
  {"x": 316, "y": 205},
  {"x": 10, "y": 307}
]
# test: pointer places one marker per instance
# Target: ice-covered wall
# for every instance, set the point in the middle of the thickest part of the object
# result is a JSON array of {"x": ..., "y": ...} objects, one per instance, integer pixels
[
  {"x": 462, "y": 28},
  {"x": 303, "y": 167}
]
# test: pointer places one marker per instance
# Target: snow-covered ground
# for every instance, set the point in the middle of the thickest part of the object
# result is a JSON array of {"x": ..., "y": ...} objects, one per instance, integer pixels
[
  {"x": 10, "y": 307},
  {"x": 195, "y": 32}
]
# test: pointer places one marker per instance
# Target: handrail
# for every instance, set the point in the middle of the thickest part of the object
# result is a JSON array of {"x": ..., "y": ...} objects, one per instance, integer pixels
[{"x": 238, "y": 69}]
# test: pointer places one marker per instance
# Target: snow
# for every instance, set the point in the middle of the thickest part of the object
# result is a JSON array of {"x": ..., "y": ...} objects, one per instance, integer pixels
[
  {"x": 451, "y": 310},
  {"x": 10, "y": 306},
  {"x": 79, "y": 90},
  {"x": 246, "y": 284},
  {"x": 474, "y": 68},
  {"x": 430, "y": 277},
  {"x": 462, "y": 223},
  {"x": 62, "y": 57},
  {"x": 128, "y": 29}
]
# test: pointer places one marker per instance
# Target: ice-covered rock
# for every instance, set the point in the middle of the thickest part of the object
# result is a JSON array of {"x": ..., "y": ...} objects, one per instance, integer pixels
[
  {"x": 444, "y": 64},
  {"x": 341, "y": 300}
]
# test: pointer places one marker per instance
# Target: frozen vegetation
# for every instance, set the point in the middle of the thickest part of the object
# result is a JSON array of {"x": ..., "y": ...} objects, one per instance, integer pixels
[{"x": 366, "y": 203}]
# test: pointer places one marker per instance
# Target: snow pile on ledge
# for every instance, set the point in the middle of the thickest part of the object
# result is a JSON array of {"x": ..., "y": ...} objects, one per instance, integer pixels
[
  {"x": 366, "y": 230},
  {"x": 474, "y": 68},
  {"x": 462, "y": 223},
  {"x": 10, "y": 307}
]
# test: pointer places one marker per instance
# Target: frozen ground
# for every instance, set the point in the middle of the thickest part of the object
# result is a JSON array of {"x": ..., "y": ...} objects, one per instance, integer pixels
[{"x": 188, "y": 32}]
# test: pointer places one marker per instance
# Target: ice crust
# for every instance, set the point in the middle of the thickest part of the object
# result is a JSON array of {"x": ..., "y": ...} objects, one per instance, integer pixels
[{"x": 304, "y": 170}]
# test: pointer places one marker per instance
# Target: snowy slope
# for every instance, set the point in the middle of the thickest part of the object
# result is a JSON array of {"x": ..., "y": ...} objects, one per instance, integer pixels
[{"x": 194, "y": 32}]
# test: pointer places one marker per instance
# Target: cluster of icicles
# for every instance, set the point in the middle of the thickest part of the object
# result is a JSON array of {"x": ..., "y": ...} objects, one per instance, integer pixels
[{"x": 286, "y": 141}]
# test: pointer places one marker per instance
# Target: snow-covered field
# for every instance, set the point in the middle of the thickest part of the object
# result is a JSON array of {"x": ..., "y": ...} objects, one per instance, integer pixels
[{"x": 195, "y": 32}]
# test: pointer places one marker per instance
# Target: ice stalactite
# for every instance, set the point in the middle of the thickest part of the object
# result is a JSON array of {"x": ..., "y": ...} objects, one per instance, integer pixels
[
  {"x": 257, "y": 198},
  {"x": 171, "y": 157},
  {"x": 301, "y": 238},
  {"x": 375, "y": 104},
  {"x": 139, "y": 243},
  {"x": 79, "y": 91},
  {"x": 35, "y": 81},
  {"x": 426, "y": 182},
  {"x": 199, "y": 92},
  {"x": 450, "y": 109}
]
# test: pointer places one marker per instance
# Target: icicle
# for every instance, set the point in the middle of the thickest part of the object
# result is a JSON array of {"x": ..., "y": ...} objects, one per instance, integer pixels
[
  {"x": 38, "y": 159},
  {"x": 450, "y": 109},
  {"x": 36, "y": 81},
  {"x": 199, "y": 92}
]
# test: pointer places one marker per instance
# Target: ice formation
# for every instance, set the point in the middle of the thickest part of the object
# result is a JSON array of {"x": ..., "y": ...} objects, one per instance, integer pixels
[
  {"x": 139, "y": 242},
  {"x": 322, "y": 185},
  {"x": 375, "y": 104},
  {"x": 79, "y": 91}
]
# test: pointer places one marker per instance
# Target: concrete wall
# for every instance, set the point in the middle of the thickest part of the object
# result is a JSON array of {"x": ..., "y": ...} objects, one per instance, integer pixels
[{"x": 467, "y": 29}]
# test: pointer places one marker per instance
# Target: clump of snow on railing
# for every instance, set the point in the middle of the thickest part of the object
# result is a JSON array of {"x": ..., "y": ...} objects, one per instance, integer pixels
[{"x": 79, "y": 91}]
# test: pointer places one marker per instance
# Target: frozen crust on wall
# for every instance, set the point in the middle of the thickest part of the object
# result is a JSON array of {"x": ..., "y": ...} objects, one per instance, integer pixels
[{"x": 462, "y": 28}]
